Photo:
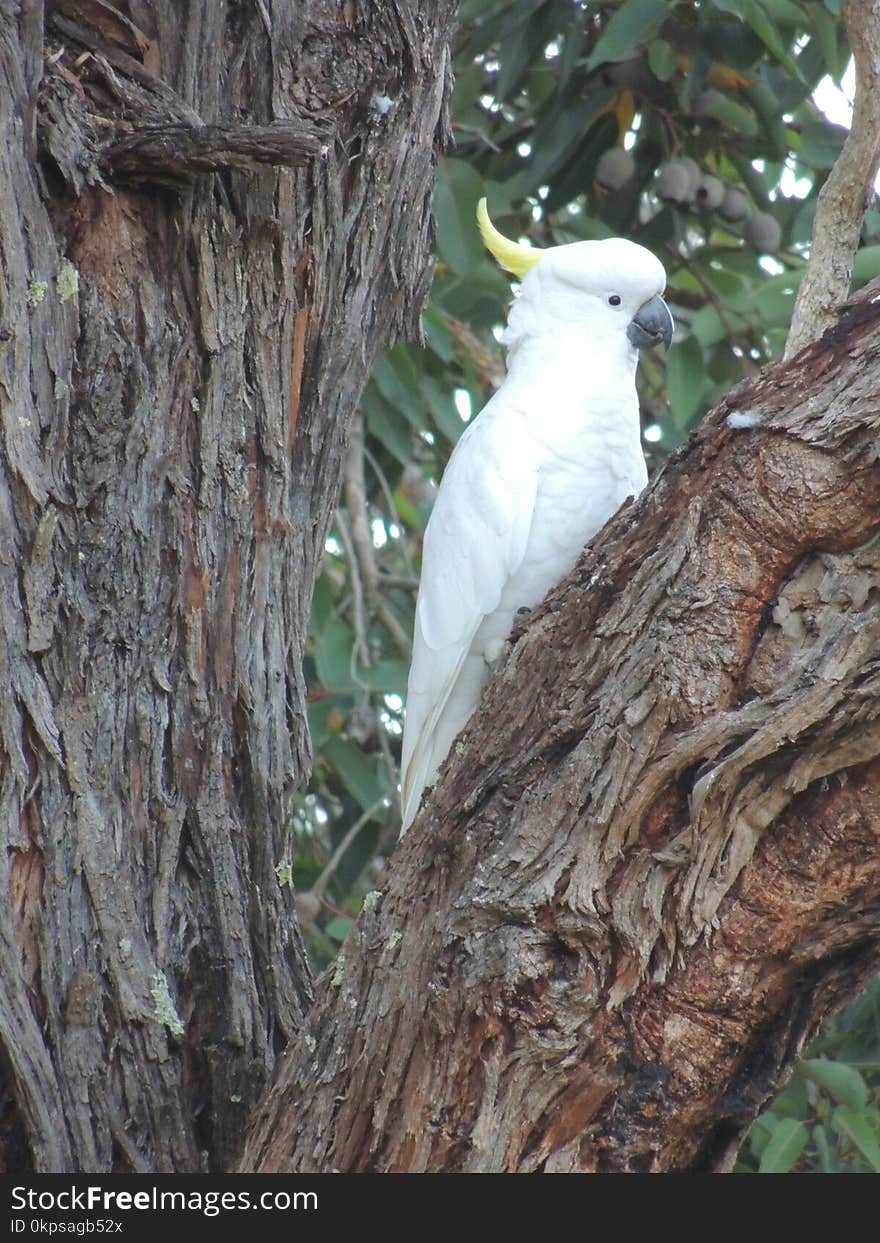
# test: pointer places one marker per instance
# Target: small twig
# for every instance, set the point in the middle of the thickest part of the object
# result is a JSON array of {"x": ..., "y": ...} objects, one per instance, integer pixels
[
  {"x": 687, "y": 298},
  {"x": 842, "y": 201},
  {"x": 357, "y": 592},
  {"x": 488, "y": 364},
  {"x": 333, "y": 862},
  {"x": 478, "y": 131},
  {"x": 390, "y": 763},
  {"x": 355, "y": 492},
  {"x": 406, "y": 581},
  {"x": 394, "y": 628},
  {"x": 389, "y": 501},
  {"x": 748, "y": 367},
  {"x": 174, "y": 155}
]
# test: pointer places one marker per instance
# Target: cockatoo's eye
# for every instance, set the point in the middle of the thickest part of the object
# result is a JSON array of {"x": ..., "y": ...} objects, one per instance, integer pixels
[{"x": 614, "y": 300}]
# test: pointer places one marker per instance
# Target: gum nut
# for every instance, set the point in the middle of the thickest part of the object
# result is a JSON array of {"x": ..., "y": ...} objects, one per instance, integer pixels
[
  {"x": 308, "y": 908},
  {"x": 673, "y": 184},
  {"x": 710, "y": 191},
  {"x": 734, "y": 205},
  {"x": 762, "y": 232},
  {"x": 614, "y": 168},
  {"x": 693, "y": 171}
]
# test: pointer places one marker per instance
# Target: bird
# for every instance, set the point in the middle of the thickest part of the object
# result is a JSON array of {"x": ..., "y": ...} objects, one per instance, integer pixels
[{"x": 547, "y": 461}]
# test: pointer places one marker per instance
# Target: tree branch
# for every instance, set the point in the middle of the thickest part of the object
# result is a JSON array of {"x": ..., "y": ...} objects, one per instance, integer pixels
[
  {"x": 843, "y": 200},
  {"x": 148, "y": 134},
  {"x": 173, "y": 155},
  {"x": 649, "y": 867}
]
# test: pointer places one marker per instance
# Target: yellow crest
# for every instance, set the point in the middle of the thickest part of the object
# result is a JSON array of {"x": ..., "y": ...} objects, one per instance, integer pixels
[{"x": 513, "y": 256}]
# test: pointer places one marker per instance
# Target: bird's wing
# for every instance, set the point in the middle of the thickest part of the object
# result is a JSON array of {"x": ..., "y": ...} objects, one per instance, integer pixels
[{"x": 476, "y": 539}]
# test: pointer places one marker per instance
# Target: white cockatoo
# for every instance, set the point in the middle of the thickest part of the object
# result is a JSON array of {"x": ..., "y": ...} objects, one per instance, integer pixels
[{"x": 548, "y": 460}]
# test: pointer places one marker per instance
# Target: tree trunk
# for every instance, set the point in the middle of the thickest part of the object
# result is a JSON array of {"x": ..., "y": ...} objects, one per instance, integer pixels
[
  {"x": 180, "y": 355},
  {"x": 650, "y": 867}
]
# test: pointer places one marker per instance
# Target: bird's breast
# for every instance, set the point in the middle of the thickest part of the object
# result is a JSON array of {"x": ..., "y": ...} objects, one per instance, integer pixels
[
  {"x": 587, "y": 460},
  {"x": 573, "y": 501}
]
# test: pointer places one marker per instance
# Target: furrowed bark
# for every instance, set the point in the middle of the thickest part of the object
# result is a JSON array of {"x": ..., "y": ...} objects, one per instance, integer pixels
[
  {"x": 650, "y": 866},
  {"x": 848, "y": 192},
  {"x": 177, "y": 374}
]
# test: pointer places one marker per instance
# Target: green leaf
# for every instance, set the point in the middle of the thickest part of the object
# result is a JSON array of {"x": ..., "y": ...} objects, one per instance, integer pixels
[
  {"x": 469, "y": 85},
  {"x": 322, "y": 604},
  {"x": 853, "y": 1126},
  {"x": 521, "y": 47},
  {"x": 828, "y": 1163},
  {"x": 761, "y": 1133},
  {"x": 437, "y": 334},
  {"x": 574, "y": 175},
  {"x": 333, "y": 664},
  {"x": 794, "y": 1102},
  {"x": 319, "y": 720},
  {"x": 757, "y": 17},
  {"x": 386, "y": 424},
  {"x": 406, "y": 385},
  {"x": 730, "y": 113},
  {"x": 802, "y": 225},
  {"x": 443, "y": 412},
  {"x": 707, "y": 327},
  {"x": 866, "y": 264},
  {"x": 773, "y": 309},
  {"x": 558, "y": 134},
  {"x": 387, "y": 676},
  {"x": 572, "y": 46},
  {"x": 784, "y": 1147},
  {"x": 339, "y": 928},
  {"x": 820, "y": 144},
  {"x": 662, "y": 59},
  {"x": 766, "y": 105},
  {"x": 785, "y": 13},
  {"x": 684, "y": 379},
  {"x": 581, "y": 228},
  {"x": 731, "y": 43},
  {"x": 827, "y": 30},
  {"x": 356, "y": 771},
  {"x": 634, "y": 23},
  {"x": 732, "y": 286},
  {"x": 333, "y": 648},
  {"x": 398, "y": 382},
  {"x": 458, "y": 188},
  {"x": 840, "y": 1081}
]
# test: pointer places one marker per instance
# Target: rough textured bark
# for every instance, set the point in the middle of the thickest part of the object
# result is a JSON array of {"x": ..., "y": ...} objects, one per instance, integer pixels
[
  {"x": 848, "y": 192},
  {"x": 651, "y": 865},
  {"x": 177, "y": 373}
]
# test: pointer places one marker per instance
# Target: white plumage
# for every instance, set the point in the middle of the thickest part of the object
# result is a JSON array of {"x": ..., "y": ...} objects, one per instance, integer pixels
[{"x": 549, "y": 459}]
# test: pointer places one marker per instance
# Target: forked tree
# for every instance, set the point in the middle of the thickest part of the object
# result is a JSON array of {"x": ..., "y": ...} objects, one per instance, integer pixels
[{"x": 649, "y": 869}]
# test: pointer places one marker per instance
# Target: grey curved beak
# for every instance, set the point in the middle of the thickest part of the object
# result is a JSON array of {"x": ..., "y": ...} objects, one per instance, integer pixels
[{"x": 651, "y": 324}]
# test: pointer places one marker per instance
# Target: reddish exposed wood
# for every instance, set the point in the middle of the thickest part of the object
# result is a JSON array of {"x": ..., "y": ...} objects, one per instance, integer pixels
[{"x": 300, "y": 328}]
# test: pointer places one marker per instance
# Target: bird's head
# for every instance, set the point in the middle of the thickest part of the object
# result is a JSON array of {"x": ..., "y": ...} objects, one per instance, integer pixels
[{"x": 611, "y": 288}]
